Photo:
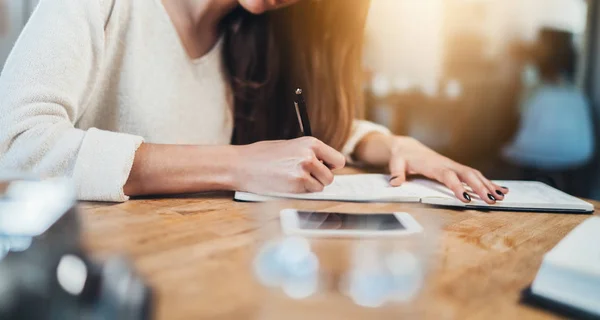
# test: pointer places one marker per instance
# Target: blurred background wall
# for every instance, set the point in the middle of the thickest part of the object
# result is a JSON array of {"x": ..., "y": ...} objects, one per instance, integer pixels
[
  {"x": 460, "y": 75},
  {"x": 406, "y": 37}
]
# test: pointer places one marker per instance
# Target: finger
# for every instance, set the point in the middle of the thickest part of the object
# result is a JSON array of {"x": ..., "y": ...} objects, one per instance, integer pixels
[
  {"x": 397, "y": 171},
  {"x": 469, "y": 177},
  {"x": 494, "y": 189},
  {"x": 311, "y": 184},
  {"x": 450, "y": 179},
  {"x": 332, "y": 158},
  {"x": 504, "y": 189},
  {"x": 319, "y": 171}
]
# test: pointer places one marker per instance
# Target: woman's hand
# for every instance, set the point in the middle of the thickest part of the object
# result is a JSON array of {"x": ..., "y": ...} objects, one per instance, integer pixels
[
  {"x": 407, "y": 156},
  {"x": 294, "y": 166}
]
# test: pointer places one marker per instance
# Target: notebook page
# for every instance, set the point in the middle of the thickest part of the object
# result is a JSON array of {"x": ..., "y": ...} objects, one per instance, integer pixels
[
  {"x": 523, "y": 194},
  {"x": 360, "y": 188},
  {"x": 536, "y": 193}
]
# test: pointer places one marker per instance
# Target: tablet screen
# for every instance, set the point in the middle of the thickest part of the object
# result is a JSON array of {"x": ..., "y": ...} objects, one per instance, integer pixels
[{"x": 341, "y": 221}]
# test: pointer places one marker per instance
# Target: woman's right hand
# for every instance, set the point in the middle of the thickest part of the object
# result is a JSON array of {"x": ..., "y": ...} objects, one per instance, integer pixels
[{"x": 291, "y": 166}]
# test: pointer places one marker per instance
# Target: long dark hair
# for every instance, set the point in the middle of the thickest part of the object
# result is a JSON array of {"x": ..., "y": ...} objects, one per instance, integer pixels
[{"x": 314, "y": 45}]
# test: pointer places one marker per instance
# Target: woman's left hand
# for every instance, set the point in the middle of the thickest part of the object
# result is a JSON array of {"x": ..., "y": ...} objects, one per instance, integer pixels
[{"x": 408, "y": 157}]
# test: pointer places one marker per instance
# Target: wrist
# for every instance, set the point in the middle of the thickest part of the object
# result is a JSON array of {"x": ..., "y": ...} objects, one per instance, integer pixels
[
  {"x": 398, "y": 144},
  {"x": 375, "y": 149},
  {"x": 230, "y": 159}
]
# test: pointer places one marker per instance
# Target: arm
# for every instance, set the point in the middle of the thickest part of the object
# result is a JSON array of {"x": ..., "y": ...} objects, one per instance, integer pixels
[
  {"x": 45, "y": 83},
  {"x": 293, "y": 166},
  {"x": 167, "y": 169}
]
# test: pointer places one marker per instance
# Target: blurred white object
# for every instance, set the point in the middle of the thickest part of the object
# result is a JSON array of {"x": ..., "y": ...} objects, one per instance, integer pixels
[
  {"x": 430, "y": 88},
  {"x": 289, "y": 264},
  {"x": 37, "y": 204},
  {"x": 266, "y": 265},
  {"x": 381, "y": 274},
  {"x": 71, "y": 274},
  {"x": 302, "y": 280},
  {"x": 368, "y": 281},
  {"x": 402, "y": 84},
  {"x": 453, "y": 89},
  {"x": 570, "y": 272},
  {"x": 381, "y": 85},
  {"x": 407, "y": 274}
]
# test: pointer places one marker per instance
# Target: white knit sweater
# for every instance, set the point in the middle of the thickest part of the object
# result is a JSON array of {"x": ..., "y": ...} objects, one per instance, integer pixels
[{"x": 89, "y": 80}]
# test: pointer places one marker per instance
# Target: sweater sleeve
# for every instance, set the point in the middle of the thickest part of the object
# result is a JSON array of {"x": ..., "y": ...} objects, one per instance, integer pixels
[
  {"x": 360, "y": 129},
  {"x": 47, "y": 80}
]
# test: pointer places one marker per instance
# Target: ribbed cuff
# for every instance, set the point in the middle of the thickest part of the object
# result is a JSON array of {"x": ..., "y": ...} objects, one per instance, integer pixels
[
  {"x": 103, "y": 165},
  {"x": 360, "y": 129}
]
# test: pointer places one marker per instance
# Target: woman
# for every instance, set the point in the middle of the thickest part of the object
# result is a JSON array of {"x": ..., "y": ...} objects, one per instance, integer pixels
[{"x": 137, "y": 97}]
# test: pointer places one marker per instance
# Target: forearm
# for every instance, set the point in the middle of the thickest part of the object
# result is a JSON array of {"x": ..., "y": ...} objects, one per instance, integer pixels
[{"x": 172, "y": 169}]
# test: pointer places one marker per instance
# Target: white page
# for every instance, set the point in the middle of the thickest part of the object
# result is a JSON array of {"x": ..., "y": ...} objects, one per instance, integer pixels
[
  {"x": 522, "y": 195},
  {"x": 359, "y": 187}
]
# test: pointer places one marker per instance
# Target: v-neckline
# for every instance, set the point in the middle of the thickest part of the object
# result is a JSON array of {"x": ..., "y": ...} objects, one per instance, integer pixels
[{"x": 200, "y": 60}]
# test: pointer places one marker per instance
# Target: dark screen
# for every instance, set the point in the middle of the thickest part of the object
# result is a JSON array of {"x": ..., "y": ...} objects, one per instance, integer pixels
[{"x": 343, "y": 221}]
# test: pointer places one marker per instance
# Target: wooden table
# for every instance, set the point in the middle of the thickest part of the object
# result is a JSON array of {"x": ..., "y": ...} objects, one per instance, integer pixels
[{"x": 197, "y": 252}]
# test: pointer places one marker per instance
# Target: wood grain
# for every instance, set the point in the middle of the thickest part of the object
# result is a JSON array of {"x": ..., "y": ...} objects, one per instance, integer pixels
[{"x": 197, "y": 252}]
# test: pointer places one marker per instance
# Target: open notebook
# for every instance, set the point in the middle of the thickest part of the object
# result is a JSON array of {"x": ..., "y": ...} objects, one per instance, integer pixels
[{"x": 523, "y": 196}]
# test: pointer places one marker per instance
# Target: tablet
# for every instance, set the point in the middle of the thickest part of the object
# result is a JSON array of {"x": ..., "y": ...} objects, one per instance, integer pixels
[{"x": 338, "y": 224}]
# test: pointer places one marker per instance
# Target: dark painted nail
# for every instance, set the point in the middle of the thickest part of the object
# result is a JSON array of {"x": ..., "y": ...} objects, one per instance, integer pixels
[
  {"x": 491, "y": 197},
  {"x": 498, "y": 192},
  {"x": 467, "y": 196},
  {"x": 505, "y": 188}
]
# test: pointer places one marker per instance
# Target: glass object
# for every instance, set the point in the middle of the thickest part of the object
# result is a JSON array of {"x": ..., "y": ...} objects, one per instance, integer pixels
[{"x": 329, "y": 278}]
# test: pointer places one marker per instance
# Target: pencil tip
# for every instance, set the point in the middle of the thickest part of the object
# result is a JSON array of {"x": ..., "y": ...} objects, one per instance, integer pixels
[{"x": 298, "y": 91}]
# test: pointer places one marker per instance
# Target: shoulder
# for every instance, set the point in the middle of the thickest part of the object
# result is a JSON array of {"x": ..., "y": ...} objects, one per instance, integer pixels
[
  {"x": 94, "y": 11},
  {"x": 122, "y": 12}
]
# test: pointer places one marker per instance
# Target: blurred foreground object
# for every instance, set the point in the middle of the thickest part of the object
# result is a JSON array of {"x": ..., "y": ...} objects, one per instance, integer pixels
[
  {"x": 44, "y": 272},
  {"x": 569, "y": 279}
]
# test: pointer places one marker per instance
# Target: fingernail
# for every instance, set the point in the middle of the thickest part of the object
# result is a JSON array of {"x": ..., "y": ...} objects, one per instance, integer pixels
[
  {"x": 491, "y": 197},
  {"x": 498, "y": 192},
  {"x": 467, "y": 196},
  {"x": 393, "y": 177},
  {"x": 505, "y": 188}
]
